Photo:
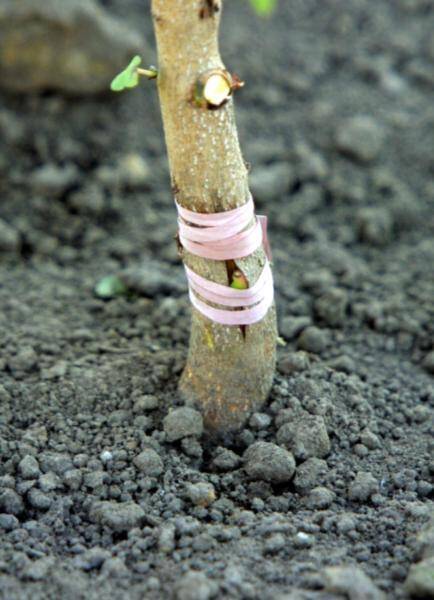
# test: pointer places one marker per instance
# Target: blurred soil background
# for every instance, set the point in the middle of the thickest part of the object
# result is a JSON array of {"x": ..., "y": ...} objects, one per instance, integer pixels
[{"x": 105, "y": 491}]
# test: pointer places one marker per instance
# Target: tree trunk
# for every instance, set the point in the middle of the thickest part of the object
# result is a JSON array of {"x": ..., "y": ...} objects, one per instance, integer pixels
[{"x": 229, "y": 369}]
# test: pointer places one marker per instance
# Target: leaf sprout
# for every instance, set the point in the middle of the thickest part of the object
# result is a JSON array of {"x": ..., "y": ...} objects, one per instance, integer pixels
[
  {"x": 239, "y": 280},
  {"x": 263, "y": 7},
  {"x": 129, "y": 77},
  {"x": 110, "y": 286}
]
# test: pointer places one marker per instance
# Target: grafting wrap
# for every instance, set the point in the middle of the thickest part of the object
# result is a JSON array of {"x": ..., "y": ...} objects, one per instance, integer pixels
[{"x": 227, "y": 236}]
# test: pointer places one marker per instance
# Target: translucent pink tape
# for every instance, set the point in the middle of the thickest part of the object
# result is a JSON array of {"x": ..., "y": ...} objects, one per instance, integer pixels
[{"x": 224, "y": 236}]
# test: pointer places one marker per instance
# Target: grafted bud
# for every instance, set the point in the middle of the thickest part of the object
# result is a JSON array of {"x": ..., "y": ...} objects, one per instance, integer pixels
[{"x": 239, "y": 280}]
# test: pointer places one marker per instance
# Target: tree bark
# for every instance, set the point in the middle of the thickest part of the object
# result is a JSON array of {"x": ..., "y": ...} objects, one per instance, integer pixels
[{"x": 229, "y": 370}]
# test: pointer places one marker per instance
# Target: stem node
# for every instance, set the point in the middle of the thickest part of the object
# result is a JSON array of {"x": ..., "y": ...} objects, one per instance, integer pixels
[{"x": 214, "y": 88}]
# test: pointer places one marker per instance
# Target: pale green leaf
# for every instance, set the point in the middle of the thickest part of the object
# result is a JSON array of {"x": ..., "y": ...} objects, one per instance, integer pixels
[
  {"x": 263, "y": 7},
  {"x": 110, "y": 286},
  {"x": 128, "y": 78}
]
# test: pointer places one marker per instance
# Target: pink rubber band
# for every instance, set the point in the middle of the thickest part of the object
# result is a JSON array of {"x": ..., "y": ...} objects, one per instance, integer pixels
[{"x": 225, "y": 236}]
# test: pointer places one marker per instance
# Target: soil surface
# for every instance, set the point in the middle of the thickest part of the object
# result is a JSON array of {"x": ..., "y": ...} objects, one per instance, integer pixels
[{"x": 104, "y": 496}]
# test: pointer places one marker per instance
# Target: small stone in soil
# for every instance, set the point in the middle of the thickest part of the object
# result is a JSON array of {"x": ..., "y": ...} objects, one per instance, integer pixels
[
  {"x": 362, "y": 488},
  {"x": 28, "y": 467},
  {"x": 56, "y": 462},
  {"x": 303, "y": 540},
  {"x": 318, "y": 282},
  {"x": 10, "y": 502},
  {"x": 275, "y": 543},
  {"x": 360, "y": 137},
  {"x": 53, "y": 180},
  {"x": 149, "y": 463},
  {"x": 293, "y": 362},
  {"x": 428, "y": 362},
  {"x": 269, "y": 462},
  {"x": 320, "y": 498},
  {"x": 342, "y": 363},
  {"x": 305, "y": 436},
  {"x": 166, "y": 538},
  {"x": 351, "y": 581},
  {"x": 114, "y": 567},
  {"x": 38, "y": 569},
  {"x": 8, "y": 522},
  {"x": 309, "y": 474},
  {"x": 49, "y": 482},
  {"x": 331, "y": 307},
  {"x": 270, "y": 182},
  {"x": 195, "y": 586},
  {"x": 9, "y": 238},
  {"x": 226, "y": 460},
  {"x": 374, "y": 226},
  {"x": 290, "y": 327},
  {"x": 420, "y": 579},
  {"x": 73, "y": 479},
  {"x": 201, "y": 494},
  {"x": 118, "y": 516},
  {"x": 259, "y": 421},
  {"x": 425, "y": 541},
  {"x": 24, "y": 361},
  {"x": 313, "y": 339},
  {"x": 145, "y": 403},
  {"x": 370, "y": 440},
  {"x": 346, "y": 523},
  {"x": 92, "y": 559},
  {"x": 183, "y": 422},
  {"x": 192, "y": 447},
  {"x": 38, "y": 499}
]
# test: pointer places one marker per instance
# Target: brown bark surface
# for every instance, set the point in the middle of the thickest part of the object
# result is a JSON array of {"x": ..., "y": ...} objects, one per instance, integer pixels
[{"x": 229, "y": 371}]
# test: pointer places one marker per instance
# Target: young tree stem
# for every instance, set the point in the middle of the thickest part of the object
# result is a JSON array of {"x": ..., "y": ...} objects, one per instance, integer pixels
[{"x": 229, "y": 370}]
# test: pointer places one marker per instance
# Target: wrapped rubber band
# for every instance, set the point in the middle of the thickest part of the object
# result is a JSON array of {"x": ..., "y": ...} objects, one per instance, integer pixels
[{"x": 226, "y": 236}]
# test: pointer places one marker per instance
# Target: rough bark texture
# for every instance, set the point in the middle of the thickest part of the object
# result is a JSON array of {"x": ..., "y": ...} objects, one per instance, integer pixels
[{"x": 229, "y": 371}]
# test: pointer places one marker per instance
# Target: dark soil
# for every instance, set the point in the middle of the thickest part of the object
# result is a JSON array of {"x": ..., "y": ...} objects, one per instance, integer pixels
[{"x": 337, "y": 121}]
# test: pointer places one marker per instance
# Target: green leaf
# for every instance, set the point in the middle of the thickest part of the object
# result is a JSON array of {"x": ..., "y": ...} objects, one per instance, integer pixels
[
  {"x": 128, "y": 78},
  {"x": 263, "y": 7},
  {"x": 110, "y": 286}
]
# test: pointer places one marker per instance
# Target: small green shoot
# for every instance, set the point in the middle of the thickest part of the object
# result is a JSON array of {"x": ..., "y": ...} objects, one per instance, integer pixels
[
  {"x": 239, "y": 280},
  {"x": 110, "y": 286},
  {"x": 264, "y": 8},
  {"x": 129, "y": 77}
]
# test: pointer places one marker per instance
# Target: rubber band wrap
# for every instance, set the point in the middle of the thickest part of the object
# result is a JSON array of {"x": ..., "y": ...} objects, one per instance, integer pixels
[{"x": 227, "y": 236}]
